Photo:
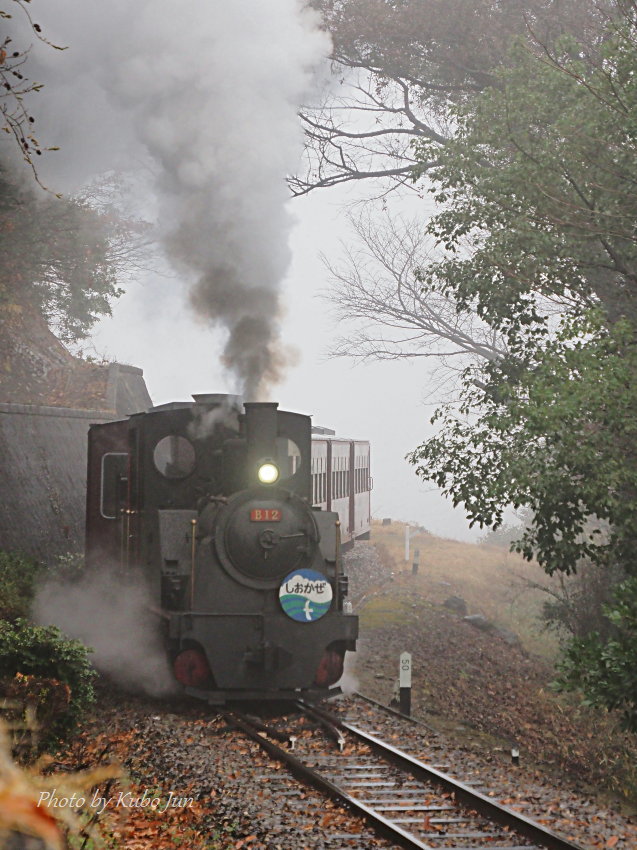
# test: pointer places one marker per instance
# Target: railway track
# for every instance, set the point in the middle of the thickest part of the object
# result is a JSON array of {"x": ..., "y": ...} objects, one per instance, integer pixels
[{"x": 409, "y": 802}]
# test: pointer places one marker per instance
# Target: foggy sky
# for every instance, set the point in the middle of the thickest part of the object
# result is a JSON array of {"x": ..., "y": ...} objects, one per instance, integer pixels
[{"x": 199, "y": 101}]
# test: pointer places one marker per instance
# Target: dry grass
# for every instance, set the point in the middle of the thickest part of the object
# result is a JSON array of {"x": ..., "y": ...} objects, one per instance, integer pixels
[
  {"x": 491, "y": 580},
  {"x": 464, "y": 675}
]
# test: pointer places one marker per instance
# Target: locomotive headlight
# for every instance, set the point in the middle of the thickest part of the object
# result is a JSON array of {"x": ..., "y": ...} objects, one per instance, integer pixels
[{"x": 268, "y": 472}]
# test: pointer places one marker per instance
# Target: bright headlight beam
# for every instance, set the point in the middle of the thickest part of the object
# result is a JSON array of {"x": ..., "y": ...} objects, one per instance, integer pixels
[{"x": 267, "y": 473}]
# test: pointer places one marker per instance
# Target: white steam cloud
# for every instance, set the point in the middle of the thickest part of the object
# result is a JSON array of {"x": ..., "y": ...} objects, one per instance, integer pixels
[
  {"x": 113, "y": 617},
  {"x": 348, "y": 682},
  {"x": 203, "y": 423},
  {"x": 202, "y": 95}
]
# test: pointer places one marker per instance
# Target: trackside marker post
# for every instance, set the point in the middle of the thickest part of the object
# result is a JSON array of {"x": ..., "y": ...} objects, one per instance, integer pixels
[{"x": 405, "y": 683}]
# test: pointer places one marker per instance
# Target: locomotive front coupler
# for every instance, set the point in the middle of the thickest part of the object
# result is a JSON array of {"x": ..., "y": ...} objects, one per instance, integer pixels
[{"x": 267, "y": 656}]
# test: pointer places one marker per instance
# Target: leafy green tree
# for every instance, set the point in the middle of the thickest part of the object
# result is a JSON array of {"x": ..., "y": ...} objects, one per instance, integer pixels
[
  {"x": 605, "y": 669},
  {"x": 400, "y": 65},
  {"x": 575, "y": 604},
  {"x": 18, "y": 578},
  {"x": 61, "y": 257},
  {"x": 43, "y": 651},
  {"x": 537, "y": 190},
  {"x": 556, "y": 438},
  {"x": 64, "y": 257}
]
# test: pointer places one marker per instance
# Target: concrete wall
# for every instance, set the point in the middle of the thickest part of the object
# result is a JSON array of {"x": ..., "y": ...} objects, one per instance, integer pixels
[{"x": 43, "y": 467}]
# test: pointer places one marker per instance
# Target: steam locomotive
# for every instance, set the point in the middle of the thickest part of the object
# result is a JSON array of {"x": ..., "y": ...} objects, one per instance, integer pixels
[{"x": 211, "y": 506}]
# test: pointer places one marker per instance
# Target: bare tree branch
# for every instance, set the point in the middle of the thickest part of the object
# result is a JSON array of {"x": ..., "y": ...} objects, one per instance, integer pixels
[
  {"x": 366, "y": 133},
  {"x": 397, "y": 69},
  {"x": 389, "y": 313},
  {"x": 16, "y": 120}
]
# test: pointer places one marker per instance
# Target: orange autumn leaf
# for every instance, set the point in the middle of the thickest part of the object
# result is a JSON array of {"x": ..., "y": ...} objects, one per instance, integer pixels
[
  {"x": 21, "y": 797},
  {"x": 612, "y": 841},
  {"x": 20, "y": 811}
]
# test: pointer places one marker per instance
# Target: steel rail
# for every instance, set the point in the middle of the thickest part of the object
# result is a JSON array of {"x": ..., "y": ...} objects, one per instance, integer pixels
[
  {"x": 260, "y": 726},
  {"x": 395, "y": 712},
  {"x": 463, "y": 793},
  {"x": 305, "y": 774},
  {"x": 468, "y": 796},
  {"x": 332, "y": 730}
]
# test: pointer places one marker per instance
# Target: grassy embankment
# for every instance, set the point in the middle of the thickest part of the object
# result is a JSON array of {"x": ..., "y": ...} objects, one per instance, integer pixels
[
  {"x": 491, "y": 580},
  {"x": 465, "y": 676}
]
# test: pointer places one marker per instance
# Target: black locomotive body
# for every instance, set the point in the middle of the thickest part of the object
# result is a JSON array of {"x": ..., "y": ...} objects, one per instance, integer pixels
[{"x": 211, "y": 507}]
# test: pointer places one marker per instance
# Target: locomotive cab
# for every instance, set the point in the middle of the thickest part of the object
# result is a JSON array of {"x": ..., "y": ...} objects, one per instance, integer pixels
[{"x": 212, "y": 507}]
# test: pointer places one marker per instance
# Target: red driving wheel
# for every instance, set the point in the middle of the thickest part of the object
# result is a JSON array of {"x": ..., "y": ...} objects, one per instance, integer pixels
[{"x": 191, "y": 668}]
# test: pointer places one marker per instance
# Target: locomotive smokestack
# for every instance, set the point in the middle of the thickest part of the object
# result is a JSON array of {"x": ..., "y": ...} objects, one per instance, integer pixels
[{"x": 261, "y": 430}]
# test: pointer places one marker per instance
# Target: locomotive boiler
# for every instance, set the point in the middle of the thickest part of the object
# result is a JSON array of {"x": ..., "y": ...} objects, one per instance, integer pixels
[{"x": 209, "y": 504}]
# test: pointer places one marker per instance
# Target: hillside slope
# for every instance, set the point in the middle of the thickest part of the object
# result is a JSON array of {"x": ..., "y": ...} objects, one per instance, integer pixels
[
  {"x": 480, "y": 686},
  {"x": 493, "y": 581}
]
